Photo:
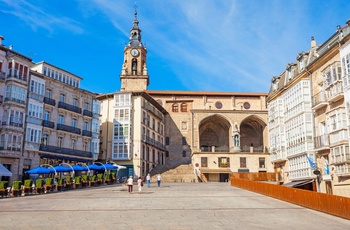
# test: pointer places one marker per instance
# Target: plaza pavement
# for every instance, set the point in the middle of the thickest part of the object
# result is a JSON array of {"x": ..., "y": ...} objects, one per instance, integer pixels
[{"x": 171, "y": 206}]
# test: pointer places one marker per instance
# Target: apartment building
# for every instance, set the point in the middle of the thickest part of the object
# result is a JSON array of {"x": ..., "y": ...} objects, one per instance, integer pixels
[
  {"x": 14, "y": 80},
  {"x": 307, "y": 119},
  {"x": 68, "y": 118},
  {"x": 45, "y": 117}
]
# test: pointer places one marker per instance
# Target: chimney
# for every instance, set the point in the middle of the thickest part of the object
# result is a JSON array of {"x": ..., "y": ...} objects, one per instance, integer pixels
[
  {"x": 10, "y": 47},
  {"x": 313, "y": 42},
  {"x": 348, "y": 22},
  {"x": 1, "y": 39}
]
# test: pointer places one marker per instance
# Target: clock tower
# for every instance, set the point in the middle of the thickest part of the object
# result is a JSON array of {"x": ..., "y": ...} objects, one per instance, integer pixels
[{"x": 134, "y": 76}]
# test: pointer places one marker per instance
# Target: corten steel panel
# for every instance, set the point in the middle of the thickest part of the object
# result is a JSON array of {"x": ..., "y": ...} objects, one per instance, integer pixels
[
  {"x": 255, "y": 176},
  {"x": 330, "y": 204}
]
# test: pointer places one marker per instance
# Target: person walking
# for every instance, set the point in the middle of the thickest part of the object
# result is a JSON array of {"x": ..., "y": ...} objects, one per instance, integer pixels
[
  {"x": 139, "y": 184},
  {"x": 148, "y": 179},
  {"x": 130, "y": 183},
  {"x": 159, "y": 178}
]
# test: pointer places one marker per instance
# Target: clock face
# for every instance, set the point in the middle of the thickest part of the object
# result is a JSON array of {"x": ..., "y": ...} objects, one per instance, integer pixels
[{"x": 134, "y": 52}]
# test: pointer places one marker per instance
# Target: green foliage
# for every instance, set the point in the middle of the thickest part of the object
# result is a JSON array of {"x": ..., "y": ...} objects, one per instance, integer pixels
[
  {"x": 17, "y": 184},
  {"x": 93, "y": 178},
  {"x": 49, "y": 181},
  {"x": 99, "y": 176},
  {"x": 3, "y": 184},
  {"x": 77, "y": 180},
  {"x": 68, "y": 179},
  {"x": 84, "y": 178},
  {"x": 60, "y": 181},
  {"x": 107, "y": 176},
  {"x": 28, "y": 183},
  {"x": 113, "y": 175},
  {"x": 39, "y": 183}
]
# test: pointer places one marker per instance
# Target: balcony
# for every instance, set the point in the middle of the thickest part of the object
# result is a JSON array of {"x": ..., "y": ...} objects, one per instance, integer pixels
[
  {"x": 67, "y": 151},
  {"x": 87, "y": 133},
  {"x": 7, "y": 99},
  {"x": 11, "y": 123},
  {"x": 319, "y": 101},
  {"x": 68, "y": 128},
  {"x": 48, "y": 124},
  {"x": 20, "y": 79},
  {"x": 335, "y": 92},
  {"x": 34, "y": 120},
  {"x": 69, "y": 107},
  {"x": 49, "y": 101},
  {"x": 151, "y": 141},
  {"x": 87, "y": 113},
  {"x": 1, "y": 99},
  {"x": 321, "y": 142},
  {"x": 279, "y": 156},
  {"x": 36, "y": 97}
]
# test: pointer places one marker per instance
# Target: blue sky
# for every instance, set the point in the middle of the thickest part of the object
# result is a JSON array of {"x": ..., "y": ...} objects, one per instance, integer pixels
[{"x": 196, "y": 45}]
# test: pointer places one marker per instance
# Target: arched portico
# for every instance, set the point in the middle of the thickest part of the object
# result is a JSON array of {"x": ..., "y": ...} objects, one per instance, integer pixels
[
  {"x": 214, "y": 134},
  {"x": 251, "y": 130}
]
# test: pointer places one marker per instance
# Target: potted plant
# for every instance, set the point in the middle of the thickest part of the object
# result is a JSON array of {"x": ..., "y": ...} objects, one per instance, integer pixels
[
  {"x": 28, "y": 186},
  {"x": 107, "y": 178},
  {"x": 77, "y": 181},
  {"x": 113, "y": 177},
  {"x": 99, "y": 178},
  {"x": 93, "y": 180},
  {"x": 49, "y": 182},
  {"x": 16, "y": 188},
  {"x": 3, "y": 188},
  {"x": 69, "y": 182},
  {"x": 84, "y": 181},
  {"x": 59, "y": 184},
  {"x": 39, "y": 185}
]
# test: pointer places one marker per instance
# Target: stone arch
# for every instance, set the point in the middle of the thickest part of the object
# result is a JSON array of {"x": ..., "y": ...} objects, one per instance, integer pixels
[
  {"x": 214, "y": 132},
  {"x": 252, "y": 133}
]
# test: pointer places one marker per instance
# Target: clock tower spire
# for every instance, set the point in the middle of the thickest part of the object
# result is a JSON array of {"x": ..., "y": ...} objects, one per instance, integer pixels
[{"x": 134, "y": 75}]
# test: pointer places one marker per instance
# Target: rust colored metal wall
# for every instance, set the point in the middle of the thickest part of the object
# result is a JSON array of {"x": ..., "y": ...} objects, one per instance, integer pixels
[
  {"x": 255, "y": 176},
  {"x": 330, "y": 204}
]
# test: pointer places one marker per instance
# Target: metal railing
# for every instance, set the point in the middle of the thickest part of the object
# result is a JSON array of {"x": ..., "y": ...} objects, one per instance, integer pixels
[
  {"x": 68, "y": 128},
  {"x": 69, "y": 107},
  {"x": 61, "y": 150},
  {"x": 49, "y": 101}
]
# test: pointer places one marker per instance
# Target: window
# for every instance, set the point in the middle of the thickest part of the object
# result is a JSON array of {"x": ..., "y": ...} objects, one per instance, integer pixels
[
  {"x": 62, "y": 97},
  {"x": 61, "y": 119},
  {"x": 37, "y": 87},
  {"x": 166, "y": 153},
  {"x": 86, "y": 106},
  {"x": 75, "y": 102},
  {"x": 74, "y": 122},
  {"x": 183, "y": 153},
  {"x": 74, "y": 143},
  {"x": 59, "y": 142},
  {"x": 261, "y": 162},
  {"x": 44, "y": 139},
  {"x": 183, "y": 107},
  {"x": 121, "y": 131},
  {"x": 33, "y": 135},
  {"x": 184, "y": 142},
  {"x": 47, "y": 115},
  {"x": 48, "y": 93},
  {"x": 242, "y": 162},
  {"x": 86, "y": 125},
  {"x": 35, "y": 110},
  {"x": 175, "y": 108},
  {"x": 167, "y": 141},
  {"x": 204, "y": 161}
]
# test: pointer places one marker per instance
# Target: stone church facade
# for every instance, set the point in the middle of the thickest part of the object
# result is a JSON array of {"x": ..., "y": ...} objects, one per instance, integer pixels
[{"x": 204, "y": 136}]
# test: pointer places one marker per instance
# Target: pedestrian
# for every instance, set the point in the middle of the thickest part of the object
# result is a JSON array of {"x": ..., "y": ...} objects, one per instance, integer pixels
[
  {"x": 159, "y": 178},
  {"x": 148, "y": 179},
  {"x": 139, "y": 184},
  {"x": 130, "y": 184}
]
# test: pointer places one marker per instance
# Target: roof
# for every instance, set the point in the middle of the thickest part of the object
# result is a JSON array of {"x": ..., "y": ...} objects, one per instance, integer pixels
[
  {"x": 4, "y": 171},
  {"x": 46, "y": 63},
  {"x": 203, "y": 93}
]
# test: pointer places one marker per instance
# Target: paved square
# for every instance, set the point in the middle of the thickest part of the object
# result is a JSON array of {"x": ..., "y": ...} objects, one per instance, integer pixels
[{"x": 171, "y": 206}]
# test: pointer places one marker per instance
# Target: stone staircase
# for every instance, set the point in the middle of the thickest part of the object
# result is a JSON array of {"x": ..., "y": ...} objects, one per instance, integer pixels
[{"x": 180, "y": 173}]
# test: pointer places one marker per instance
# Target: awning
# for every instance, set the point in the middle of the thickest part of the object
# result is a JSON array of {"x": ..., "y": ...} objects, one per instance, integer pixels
[
  {"x": 298, "y": 183},
  {"x": 4, "y": 171},
  {"x": 220, "y": 170}
]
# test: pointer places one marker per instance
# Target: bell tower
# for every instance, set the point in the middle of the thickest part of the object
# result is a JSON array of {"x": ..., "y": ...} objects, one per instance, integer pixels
[{"x": 134, "y": 75}]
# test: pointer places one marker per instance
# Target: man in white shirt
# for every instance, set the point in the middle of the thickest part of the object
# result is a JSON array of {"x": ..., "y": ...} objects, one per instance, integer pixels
[{"x": 159, "y": 178}]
